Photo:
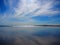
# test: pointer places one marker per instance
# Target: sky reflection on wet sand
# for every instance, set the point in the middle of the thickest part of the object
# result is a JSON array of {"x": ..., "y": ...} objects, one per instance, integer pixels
[{"x": 29, "y": 36}]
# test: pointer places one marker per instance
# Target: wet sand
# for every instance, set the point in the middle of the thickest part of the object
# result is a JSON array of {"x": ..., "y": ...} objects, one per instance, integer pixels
[{"x": 29, "y": 36}]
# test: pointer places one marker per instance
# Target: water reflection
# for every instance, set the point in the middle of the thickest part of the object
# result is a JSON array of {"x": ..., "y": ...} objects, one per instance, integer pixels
[{"x": 29, "y": 36}]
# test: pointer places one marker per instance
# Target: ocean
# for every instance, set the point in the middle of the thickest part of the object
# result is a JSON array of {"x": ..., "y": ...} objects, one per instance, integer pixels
[{"x": 29, "y": 35}]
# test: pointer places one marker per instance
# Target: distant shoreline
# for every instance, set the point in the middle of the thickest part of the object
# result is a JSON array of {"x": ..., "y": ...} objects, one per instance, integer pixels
[
  {"x": 5, "y": 26},
  {"x": 49, "y": 25},
  {"x": 32, "y": 26}
]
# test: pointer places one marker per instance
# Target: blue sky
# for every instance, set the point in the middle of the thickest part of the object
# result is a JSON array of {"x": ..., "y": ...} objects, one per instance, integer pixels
[{"x": 21, "y": 12}]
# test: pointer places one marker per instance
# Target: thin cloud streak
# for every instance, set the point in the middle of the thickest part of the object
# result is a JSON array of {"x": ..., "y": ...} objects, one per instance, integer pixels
[{"x": 26, "y": 9}]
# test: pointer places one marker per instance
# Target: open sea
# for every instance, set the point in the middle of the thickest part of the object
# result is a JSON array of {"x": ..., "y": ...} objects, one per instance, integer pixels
[{"x": 29, "y": 35}]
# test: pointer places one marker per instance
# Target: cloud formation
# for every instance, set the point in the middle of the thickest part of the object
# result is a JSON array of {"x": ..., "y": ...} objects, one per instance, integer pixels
[
  {"x": 26, "y": 9},
  {"x": 35, "y": 8}
]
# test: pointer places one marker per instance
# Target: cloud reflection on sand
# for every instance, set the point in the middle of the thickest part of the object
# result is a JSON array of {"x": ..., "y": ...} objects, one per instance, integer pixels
[{"x": 29, "y": 36}]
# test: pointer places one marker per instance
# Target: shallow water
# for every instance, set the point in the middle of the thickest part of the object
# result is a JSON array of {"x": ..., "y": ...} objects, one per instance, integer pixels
[{"x": 29, "y": 35}]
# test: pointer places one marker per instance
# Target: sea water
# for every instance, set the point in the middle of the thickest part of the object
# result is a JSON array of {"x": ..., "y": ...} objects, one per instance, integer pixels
[{"x": 29, "y": 35}]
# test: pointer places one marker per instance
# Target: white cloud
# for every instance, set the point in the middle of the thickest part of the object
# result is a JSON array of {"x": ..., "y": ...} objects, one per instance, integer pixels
[
  {"x": 30, "y": 6},
  {"x": 25, "y": 9}
]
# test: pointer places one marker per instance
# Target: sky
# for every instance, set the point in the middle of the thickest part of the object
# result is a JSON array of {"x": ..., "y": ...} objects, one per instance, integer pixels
[{"x": 29, "y": 12}]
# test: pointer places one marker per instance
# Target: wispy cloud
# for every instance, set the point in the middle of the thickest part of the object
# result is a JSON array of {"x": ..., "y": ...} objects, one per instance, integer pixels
[
  {"x": 26, "y": 9},
  {"x": 30, "y": 7}
]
